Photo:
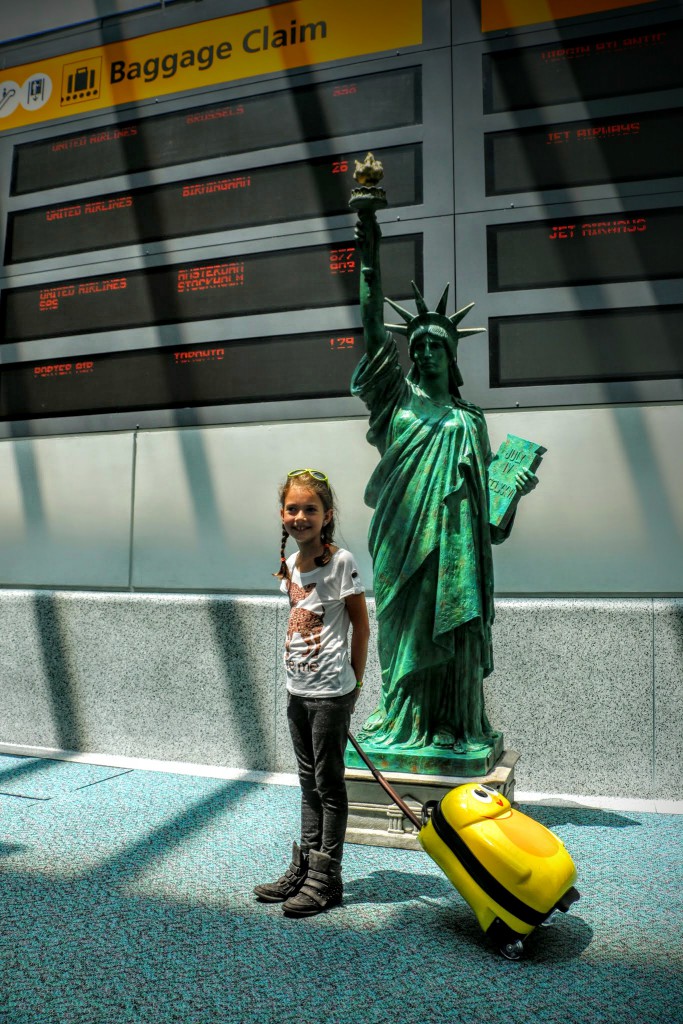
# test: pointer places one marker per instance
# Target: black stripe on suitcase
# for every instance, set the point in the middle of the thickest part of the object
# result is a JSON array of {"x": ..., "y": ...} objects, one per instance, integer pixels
[{"x": 484, "y": 879}]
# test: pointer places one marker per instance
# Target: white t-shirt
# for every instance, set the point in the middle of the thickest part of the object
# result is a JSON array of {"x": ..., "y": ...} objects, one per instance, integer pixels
[{"x": 316, "y": 649}]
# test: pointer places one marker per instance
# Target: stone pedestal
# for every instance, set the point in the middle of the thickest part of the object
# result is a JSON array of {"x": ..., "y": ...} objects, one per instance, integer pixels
[{"x": 375, "y": 821}]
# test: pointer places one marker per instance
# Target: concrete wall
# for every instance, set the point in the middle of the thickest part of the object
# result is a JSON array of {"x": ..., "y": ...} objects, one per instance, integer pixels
[{"x": 587, "y": 690}]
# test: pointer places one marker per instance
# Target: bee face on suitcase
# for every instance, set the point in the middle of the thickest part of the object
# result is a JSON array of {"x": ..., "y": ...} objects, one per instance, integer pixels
[{"x": 474, "y": 802}]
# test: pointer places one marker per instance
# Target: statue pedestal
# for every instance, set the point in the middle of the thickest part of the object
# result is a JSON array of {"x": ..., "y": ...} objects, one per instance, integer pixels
[
  {"x": 444, "y": 761},
  {"x": 375, "y": 821}
]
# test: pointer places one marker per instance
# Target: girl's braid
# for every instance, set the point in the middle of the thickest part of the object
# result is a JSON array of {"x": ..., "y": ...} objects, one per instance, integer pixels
[{"x": 283, "y": 574}]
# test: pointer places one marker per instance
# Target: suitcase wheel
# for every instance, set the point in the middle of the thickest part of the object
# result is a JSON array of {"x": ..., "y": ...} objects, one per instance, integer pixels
[
  {"x": 509, "y": 943},
  {"x": 571, "y": 896},
  {"x": 512, "y": 950}
]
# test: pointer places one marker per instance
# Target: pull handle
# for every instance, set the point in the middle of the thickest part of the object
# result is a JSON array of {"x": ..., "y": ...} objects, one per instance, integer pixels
[{"x": 400, "y": 803}]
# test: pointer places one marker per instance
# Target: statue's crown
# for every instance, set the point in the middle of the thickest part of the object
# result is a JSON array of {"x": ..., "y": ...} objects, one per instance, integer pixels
[{"x": 426, "y": 318}]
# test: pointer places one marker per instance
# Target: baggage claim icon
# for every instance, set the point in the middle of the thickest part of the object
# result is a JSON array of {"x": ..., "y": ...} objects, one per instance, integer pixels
[{"x": 81, "y": 81}]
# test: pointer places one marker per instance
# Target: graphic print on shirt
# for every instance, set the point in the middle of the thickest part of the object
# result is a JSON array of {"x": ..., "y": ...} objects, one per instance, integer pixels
[{"x": 306, "y": 623}]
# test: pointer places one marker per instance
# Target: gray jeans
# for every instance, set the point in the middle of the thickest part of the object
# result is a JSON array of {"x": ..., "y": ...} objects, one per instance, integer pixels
[{"x": 319, "y": 728}]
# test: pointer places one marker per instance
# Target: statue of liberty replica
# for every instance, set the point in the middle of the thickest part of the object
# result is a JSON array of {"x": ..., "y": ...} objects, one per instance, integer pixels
[{"x": 430, "y": 537}]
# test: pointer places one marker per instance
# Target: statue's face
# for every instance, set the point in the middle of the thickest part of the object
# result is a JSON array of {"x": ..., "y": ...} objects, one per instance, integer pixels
[{"x": 429, "y": 354}]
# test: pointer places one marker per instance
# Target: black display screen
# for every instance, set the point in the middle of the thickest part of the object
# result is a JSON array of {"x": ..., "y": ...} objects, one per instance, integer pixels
[
  {"x": 628, "y": 147},
  {"x": 265, "y": 195},
  {"x": 594, "y": 67},
  {"x": 257, "y": 370},
  {"x": 362, "y": 103},
  {"x": 586, "y": 347},
  {"x": 309, "y": 277},
  {"x": 633, "y": 246}
]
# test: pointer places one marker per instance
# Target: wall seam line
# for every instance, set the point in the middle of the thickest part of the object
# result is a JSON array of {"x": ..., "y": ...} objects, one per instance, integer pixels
[{"x": 131, "y": 534}]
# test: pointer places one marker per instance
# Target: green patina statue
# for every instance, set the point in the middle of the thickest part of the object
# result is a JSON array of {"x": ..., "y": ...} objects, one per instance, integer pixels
[{"x": 430, "y": 536}]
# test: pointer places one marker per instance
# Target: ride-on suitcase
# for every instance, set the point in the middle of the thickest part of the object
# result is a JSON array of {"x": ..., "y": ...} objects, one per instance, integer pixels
[{"x": 513, "y": 871}]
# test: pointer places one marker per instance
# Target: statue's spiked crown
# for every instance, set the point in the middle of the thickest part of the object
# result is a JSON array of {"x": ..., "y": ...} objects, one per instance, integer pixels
[{"x": 426, "y": 318}]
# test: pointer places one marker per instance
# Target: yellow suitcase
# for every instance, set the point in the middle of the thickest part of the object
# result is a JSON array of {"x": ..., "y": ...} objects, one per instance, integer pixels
[{"x": 514, "y": 872}]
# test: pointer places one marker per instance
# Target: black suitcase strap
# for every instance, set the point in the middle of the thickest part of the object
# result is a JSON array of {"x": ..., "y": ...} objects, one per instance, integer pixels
[{"x": 484, "y": 879}]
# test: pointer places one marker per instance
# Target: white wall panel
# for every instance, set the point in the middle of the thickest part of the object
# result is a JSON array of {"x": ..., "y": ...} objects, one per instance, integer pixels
[
  {"x": 206, "y": 506},
  {"x": 65, "y": 505},
  {"x": 607, "y": 515}
]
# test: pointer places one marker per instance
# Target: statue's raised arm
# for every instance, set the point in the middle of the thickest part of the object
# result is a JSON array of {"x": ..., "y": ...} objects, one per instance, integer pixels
[
  {"x": 366, "y": 198},
  {"x": 368, "y": 235}
]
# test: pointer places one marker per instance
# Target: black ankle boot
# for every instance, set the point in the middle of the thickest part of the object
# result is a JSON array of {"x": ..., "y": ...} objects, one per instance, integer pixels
[
  {"x": 290, "y": 883},
  {"x": 322, "y": 887}
]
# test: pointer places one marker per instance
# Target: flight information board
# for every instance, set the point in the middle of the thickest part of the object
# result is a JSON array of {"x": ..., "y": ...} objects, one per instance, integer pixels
[
  {"x": 102, "y": 295},
  {"x": 633, "y": 147},
  {"x": 257, "y": 370},
  {"x": 586, "y": 347},
  {"x": 288, "y": 279},
  {"x": 612, "y": 246},
  {"x": 264, "y": 195},
  {"x": 588, "y": 68},
  {"x": 361, "y": 103}
]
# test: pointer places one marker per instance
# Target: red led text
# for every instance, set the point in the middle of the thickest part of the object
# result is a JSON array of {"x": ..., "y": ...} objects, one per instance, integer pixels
[
  {"x": 49, "y": 298},
  {"x": 110, "y": 135},
  {"x": 205, "y": 188},
  {"x": 211, "y": 355},
  {"x": 625, "y": 226},
  {"x": 69, "y": 144},
  {"x": 217, "y": 275},
  {"x": 214, "y": 115},
  {"x": 343, "y": 261},
  {"x": 95, "y": 206},
  {"x": 62, "y": 369},
  {"x": 340, "y": 343},
  {"x": 603, "y": 46},
  {"x": 105, "y": 205},
  {"x": 61, "y": 212},
  {"x": 602, "y": 131}
]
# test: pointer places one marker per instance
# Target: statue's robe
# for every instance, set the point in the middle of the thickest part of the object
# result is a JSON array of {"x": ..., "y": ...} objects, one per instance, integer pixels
[{"x": 430, "y": 542}]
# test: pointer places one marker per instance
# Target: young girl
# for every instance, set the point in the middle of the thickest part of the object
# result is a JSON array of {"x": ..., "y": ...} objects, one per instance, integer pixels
[{"x": 326, "y": 596}]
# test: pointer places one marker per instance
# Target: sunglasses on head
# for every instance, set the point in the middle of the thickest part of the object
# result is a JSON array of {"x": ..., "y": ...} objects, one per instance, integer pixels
[{"x": 315, "y": 473}]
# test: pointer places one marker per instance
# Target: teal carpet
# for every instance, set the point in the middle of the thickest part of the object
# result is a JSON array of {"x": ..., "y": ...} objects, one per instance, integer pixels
[{"x": 128, "y": 901}]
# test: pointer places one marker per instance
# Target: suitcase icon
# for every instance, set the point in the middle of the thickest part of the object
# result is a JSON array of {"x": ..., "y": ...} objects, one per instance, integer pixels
[{"x": 514, "y": 872}]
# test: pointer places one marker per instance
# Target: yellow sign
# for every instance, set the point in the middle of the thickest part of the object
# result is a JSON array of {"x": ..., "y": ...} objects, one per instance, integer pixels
[
  {"x": 499, "y": 14},
  {"x": 271, "y": 39}
]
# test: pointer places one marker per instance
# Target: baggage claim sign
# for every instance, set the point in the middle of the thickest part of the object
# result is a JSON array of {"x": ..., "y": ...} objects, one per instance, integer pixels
[{"x": 209, "y": 53}]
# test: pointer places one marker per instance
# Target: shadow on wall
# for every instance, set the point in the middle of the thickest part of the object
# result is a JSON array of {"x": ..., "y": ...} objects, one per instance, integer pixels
[
  {"x": 233, "y": 641},
  {"x": 69, "y": 727}
]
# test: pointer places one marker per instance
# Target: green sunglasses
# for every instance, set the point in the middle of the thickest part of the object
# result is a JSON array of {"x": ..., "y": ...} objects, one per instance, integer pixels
[{"x": 315, "y": 473}]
